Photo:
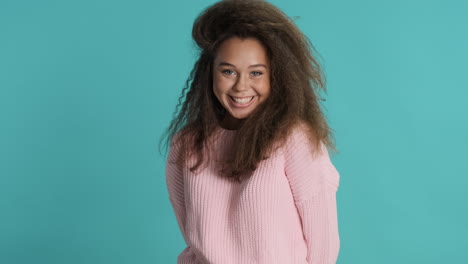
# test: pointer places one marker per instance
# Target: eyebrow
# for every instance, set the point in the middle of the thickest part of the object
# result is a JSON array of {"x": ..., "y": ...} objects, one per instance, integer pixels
[{"x": 251, "y": 66}]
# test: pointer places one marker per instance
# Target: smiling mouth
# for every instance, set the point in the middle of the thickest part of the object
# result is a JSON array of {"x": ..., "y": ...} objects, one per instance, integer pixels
[{"x": 242, "y": 100}]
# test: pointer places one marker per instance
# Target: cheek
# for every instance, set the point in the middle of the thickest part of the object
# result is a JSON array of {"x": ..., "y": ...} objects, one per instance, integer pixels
[
  {"x": 218, "y": 90},
  {"x": 265, "y": 91},
  {"x": 220, "y": 85},
  {"x": 216, "y": 85}
]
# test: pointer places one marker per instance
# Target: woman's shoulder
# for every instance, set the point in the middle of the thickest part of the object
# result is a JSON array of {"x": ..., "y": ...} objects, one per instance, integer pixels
[
  {"x": 299, "y": 132},
  {"x": 302, "y": 136}
]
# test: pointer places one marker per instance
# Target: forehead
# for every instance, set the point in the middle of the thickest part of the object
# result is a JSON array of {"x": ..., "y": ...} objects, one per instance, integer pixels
[{"x": 242, "y": 51}]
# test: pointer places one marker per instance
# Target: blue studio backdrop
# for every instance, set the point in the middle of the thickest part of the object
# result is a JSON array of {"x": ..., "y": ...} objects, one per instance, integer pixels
[{"x": 88, "y": 87}]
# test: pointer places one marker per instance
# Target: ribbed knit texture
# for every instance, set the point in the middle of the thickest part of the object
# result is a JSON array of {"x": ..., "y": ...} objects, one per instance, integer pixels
[{"x": 285, "y": 213}]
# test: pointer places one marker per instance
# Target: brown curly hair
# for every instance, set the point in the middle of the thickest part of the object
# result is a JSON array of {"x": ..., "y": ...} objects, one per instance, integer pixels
[{"x": 296, "y": 80}]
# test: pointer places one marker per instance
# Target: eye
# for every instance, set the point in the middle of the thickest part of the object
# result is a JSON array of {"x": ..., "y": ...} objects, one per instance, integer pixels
[
  {"x": 259, "y": 73},
  {"x": 227, "y": 72}
]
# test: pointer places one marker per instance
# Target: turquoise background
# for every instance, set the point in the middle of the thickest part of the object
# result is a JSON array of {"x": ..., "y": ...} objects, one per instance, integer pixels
[{"x": 87, "y": 88}]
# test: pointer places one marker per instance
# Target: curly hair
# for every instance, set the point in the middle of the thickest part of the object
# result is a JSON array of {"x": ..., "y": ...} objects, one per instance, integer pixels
[{"x": 296, "y": 80}]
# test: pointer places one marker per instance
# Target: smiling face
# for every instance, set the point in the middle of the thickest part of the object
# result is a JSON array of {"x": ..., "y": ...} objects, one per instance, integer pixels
[{"x": 241, "y": 78}]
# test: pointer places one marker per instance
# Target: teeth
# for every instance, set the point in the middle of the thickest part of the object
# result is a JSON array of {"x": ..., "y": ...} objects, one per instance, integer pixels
[{"x": 242, "y": 100}]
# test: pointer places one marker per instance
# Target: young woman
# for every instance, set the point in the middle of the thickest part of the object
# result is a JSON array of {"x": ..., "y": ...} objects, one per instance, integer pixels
[{"x": 248, "y": 172}]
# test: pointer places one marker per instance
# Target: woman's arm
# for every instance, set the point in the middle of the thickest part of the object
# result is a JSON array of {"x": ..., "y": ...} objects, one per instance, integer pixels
[
  {"x": 320, "y": 227},
  {"x": 314, "y": 182},
  {"x": 175, "y": 186}
]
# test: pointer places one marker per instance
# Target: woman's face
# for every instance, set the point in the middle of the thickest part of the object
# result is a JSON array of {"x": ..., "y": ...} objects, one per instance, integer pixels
[{"x": 241, "y": 77}]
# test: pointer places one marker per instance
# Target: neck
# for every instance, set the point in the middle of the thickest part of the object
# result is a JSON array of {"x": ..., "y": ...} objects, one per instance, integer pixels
[{"x": 231, "y": 123}]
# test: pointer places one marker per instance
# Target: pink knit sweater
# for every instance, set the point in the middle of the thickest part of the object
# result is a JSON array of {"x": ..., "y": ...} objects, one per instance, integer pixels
[{"x": 285, "y": 213}]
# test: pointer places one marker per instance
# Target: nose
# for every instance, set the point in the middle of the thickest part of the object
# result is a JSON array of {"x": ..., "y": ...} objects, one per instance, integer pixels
[{"x": 241, "y": 84}]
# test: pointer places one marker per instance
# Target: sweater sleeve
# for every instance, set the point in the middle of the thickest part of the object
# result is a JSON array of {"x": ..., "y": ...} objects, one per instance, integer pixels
[
  {"x": 175, "y": 186},
  {"x": 314, "y": 182}
]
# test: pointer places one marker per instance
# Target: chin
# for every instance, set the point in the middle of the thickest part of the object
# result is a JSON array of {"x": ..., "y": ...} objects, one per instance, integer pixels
[{"x": 240, "y": 115}]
